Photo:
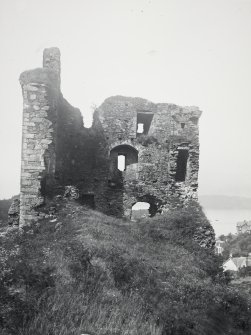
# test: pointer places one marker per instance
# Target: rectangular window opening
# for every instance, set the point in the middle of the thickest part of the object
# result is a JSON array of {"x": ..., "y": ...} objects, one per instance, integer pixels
[
  {"x": 140, "y": 129},
  {"x": 181, "y": 168},
  {"x": 121, "y": 162},
  {"x": 144, "y": 120}
]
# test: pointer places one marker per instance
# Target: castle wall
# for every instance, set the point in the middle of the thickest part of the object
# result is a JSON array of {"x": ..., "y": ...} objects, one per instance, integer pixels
[
  {"x": 56, "y": 148},
  {"x": 171, "y": 130},
  {"x": 40, "y": 95},
  {"x": 159, "y": 143},
  {"x": 75, "y": 152}
]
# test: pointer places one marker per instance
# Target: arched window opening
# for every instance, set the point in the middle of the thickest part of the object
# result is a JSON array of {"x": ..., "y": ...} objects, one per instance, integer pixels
[
  {"x": 140, "y": 210},
  {"x": 122, "y": 156},
  {"x": 181, "y": 168}
]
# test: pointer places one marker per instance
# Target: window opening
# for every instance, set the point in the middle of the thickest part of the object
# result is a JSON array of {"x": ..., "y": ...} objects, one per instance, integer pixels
[
  {"x": 121, "y": 162},
  {"x": 87, "y": 200},
  {"x": 144, "y": 120},
  {"x": 140, "y": 129},
  {"x": 181, "y": 168},
  {"x": 122, "y": 156}
]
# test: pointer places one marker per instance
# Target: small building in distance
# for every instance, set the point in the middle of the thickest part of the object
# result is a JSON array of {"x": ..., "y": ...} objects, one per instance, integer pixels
[
  {"x": 243, "y": 227},
  {"x": 219, "y": 247},
  {"x": 237, "y": 263}
]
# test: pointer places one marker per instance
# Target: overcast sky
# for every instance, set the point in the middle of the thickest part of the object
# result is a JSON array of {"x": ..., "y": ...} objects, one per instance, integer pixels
[{"x": 187, "y": 52}]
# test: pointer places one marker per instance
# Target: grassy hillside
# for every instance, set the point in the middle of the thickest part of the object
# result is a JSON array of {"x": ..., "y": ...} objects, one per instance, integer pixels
[
  {"x": 4, "y": 207},
  {"x": 86, "y": 273}
]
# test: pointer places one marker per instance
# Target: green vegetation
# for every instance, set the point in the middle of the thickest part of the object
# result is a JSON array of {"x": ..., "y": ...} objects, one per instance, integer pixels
[
  {"x": 4, "y": 207},
  {"x": 237, "y": 245},
  {"x": 90, "y": 273}
]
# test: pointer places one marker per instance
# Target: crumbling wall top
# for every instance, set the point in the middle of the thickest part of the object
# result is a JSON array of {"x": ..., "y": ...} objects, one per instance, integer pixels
[
  {"x": 49, "y": 75},
  {"x": 51, "y": 59},
  {"x": 45, "y": 76}
]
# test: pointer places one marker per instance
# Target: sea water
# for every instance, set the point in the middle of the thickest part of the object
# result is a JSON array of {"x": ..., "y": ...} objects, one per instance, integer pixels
[{"x": 224, "y": 220}]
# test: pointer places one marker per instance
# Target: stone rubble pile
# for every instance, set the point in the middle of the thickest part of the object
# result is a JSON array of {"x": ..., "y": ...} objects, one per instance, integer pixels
[{"x": 71, "y": 193}]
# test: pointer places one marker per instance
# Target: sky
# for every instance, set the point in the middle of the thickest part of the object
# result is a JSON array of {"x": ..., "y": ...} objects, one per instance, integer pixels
[{"x": 187, "y": 52}]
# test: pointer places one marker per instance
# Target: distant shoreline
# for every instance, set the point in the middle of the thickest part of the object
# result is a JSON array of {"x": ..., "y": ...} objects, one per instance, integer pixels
[{"x": 223, "y": 202}]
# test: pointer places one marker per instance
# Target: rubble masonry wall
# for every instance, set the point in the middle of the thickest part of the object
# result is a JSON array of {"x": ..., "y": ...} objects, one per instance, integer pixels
[{"x": 162, "y": 163}]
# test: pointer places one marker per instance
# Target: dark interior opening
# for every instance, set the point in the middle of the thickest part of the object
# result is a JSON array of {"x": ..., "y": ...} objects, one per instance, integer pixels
[
  {"x": 144, "y": 118},
  {"x": 181, "y": 168},
  {"x": 87, "y": 200},
  {"x": 182, "y": 125},
  {"x": 153, "y": 209}
]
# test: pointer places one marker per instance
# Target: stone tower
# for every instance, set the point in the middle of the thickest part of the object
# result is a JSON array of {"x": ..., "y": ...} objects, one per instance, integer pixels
[
  {"x": 135, "y": 150},
  {"x": 41, "y": 88},
  {"x": 157, "y": 146}
]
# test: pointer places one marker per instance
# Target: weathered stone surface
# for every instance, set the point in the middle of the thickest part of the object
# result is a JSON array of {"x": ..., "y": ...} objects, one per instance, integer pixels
[
  {"x": 51, "y": 60},
  {"x": 159, "y": 143},
  {"x": 14, "y": 213},
  {"x": 40, "y": 88},
  {"x": 152, "y": 176}
]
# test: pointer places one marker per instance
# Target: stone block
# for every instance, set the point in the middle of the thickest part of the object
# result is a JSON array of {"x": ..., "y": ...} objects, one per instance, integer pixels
[
  {"x": 31, "y": 87},
  {"x": 27, "y": 135}
]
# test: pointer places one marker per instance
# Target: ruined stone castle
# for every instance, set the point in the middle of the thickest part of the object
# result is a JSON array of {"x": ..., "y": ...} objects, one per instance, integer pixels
[{"x": 135, "y": 151}]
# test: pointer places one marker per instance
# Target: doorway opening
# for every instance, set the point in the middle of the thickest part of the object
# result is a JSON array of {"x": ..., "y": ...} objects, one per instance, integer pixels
[
  {"x": 140, "y": 210},
  {"x": 181, "y": 168}
]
